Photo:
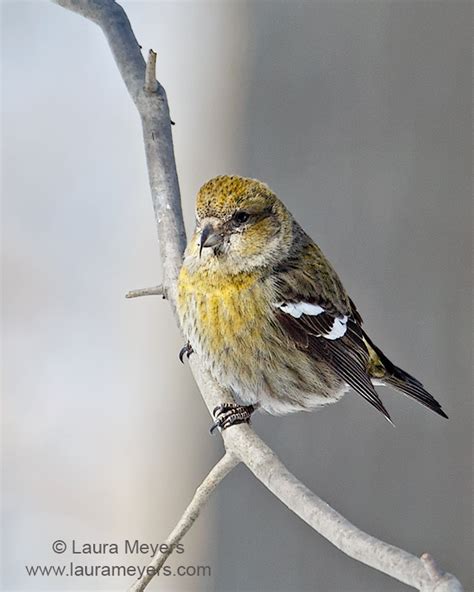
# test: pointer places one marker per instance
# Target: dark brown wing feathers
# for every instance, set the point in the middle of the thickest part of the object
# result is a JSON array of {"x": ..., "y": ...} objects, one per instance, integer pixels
[
  {"x": 306, "y": 277},
  {"x": 345, "y": 356}
]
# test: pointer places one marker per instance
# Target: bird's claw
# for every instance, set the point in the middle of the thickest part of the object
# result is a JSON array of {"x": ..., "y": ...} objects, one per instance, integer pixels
[
  {"x": 186, "y": 350},
  {"x": 229, "y": 414}
]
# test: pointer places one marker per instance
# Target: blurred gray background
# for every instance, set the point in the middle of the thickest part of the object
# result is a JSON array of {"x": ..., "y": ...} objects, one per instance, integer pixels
[{"x": 358, "y": 114}]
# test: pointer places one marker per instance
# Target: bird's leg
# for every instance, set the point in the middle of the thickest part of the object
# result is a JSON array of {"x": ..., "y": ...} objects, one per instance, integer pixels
[
  {"x": 186, "y": 350},
  {"x": 229, "y": 414}
]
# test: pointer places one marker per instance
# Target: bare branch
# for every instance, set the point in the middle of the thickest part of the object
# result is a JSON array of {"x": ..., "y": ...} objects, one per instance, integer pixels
[
  {"x": 156, "y": 125},
  {"x": 203, "y": 492},
  {"x": 355, "y": 543},
  {"x": 113, "y": 21},
  {"x": 153, "y": 291},
  {"x": 240, "y": 441}
]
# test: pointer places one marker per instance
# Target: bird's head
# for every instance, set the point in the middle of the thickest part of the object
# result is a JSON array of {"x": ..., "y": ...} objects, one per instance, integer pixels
[{"x": 240, "y": 225}]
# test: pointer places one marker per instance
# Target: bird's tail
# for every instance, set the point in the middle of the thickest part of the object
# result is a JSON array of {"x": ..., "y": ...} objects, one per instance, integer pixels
[{"x": 383, "y": 369}]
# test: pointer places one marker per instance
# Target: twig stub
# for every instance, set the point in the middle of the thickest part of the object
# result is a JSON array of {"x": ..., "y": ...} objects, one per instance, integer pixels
[
  {"x": 153, "y": 291},
  {"x": 431, "y": 567},
  {"x": 151, "y": 84}
]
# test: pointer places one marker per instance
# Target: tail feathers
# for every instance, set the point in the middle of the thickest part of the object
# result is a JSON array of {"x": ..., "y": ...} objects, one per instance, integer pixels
[{"x": 406, "y": 383}]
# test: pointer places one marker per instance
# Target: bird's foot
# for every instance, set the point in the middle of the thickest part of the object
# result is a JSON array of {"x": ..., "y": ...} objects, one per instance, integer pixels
[
  {"x": 186, "y": 350},
  {"x": 229, "y": 414}
]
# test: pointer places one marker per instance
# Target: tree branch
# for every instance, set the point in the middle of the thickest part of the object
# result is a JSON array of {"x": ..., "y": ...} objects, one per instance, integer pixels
[
  {"x": 156, "y": 124},
  {"x": 241, "y": 442},
  {"x": 203, "y": 492}
]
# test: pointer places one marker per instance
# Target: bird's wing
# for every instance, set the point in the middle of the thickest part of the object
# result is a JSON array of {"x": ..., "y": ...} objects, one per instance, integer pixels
[{"x": 314, "y": 311}]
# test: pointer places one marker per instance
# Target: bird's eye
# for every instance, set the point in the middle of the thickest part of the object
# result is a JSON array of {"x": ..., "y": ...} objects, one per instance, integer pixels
[{"x": 241, "y": 217}]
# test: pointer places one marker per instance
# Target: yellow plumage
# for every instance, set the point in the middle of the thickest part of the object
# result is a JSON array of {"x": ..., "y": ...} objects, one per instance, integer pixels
[{"x": 222, "y": 308}]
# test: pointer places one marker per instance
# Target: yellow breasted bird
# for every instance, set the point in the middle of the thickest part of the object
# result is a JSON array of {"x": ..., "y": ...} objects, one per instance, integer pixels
[{"x": 268, "y": 316}]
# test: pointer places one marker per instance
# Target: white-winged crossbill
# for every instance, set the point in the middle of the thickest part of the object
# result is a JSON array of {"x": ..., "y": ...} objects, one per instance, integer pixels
[{"x": 266, "y": 313}]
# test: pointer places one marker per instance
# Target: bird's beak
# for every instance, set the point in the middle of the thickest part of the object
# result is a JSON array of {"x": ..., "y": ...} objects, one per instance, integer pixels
[{"x": 210, "y": 237}]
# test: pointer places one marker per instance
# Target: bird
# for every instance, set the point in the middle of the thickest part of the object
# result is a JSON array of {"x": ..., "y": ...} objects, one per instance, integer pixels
[{"x": 268, "y": 316}]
